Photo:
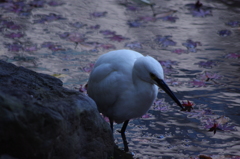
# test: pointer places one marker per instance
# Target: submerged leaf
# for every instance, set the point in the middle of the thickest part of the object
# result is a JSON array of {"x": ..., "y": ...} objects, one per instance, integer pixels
[
  {"x": 191, "y": 45},
  {"x": 165, "y": 41},
  {"x": 98, "y": 14}
]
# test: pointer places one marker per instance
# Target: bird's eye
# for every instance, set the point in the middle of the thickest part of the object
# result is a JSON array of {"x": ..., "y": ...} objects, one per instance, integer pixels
[{"x": 153, "y": 76}]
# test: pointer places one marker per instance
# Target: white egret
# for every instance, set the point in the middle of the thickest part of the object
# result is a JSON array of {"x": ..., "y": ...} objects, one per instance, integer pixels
[{"x": 123, "y": 83}]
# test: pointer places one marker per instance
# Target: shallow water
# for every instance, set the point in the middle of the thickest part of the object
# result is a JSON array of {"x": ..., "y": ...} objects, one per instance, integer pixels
[{"x": 164, "y": 132}]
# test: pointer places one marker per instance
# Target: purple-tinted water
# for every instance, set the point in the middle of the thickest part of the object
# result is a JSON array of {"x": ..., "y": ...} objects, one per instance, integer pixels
[{"x": 198, "y": 45}]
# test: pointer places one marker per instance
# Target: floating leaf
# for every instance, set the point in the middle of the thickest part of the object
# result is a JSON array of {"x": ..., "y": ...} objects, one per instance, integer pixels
[
  {"x": 18, "y": 7},
  {"x": 159, "y": 104},
  {"x": 179, "y": 51},
  {"x": 168, "y": 63},
  {"x": 214, "y": 128},
  {"x": 76, "y": 37},
  {"x": 233, "y": 23},
  {"x": 197, "y": 83},
  {"x": 134, "y": 24},
  {"x": 94, "y": 27},
  {"x": 48, "y": 18},
  {"x": 173, "y": 82},
  {"x": 52, "y": 46},
  {"x": 187, "y": 105},
  {"x": 207, "y": 76},
  {"x": 134, "y": 45},
  {"x": 207, "y": 64},
  {"x": 201, "y": 13},
  {"x": 170, "y": 18},
  {"x": 147, "y": 19},
  {"x": 227, "y": 127},
  {"x": 192, "y": 45},
  {"x": 233, "y": 56},
  {"x": 9, "y": 25},
  {"x": 224, "y": 32},
  {"x": 55, "y": 3},
  {"x": 107, "y": 46},
  {"x": 77, "y": 24},
  {"x": 218, "y": 124},
  {"x": 169, "y": 71},
  {"x": 64, "y": 35},
  {"x": 165, "y": 41},
  {"x": 107, "y": 32},
  {"x": 222, "y": 120},
  {"x": 113, "y": 36},
  {"x": 198, "y": 10},
  {"x": 37, "y": 3}
]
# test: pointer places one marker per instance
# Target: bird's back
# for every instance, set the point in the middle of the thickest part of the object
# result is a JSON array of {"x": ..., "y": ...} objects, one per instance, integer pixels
[{"x": 111, "y": 76}]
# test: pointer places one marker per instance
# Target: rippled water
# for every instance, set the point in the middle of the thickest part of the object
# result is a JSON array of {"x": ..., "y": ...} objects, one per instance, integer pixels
[{"x": 164, "y": 132}]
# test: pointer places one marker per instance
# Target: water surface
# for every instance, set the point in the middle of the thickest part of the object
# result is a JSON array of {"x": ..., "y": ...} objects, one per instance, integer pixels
[{"x": 67, "y": 44}]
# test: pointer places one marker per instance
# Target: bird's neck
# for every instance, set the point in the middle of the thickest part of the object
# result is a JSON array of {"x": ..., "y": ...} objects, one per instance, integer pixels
[
  {"x": 146, "y": 90},
  {"x": 139, "y": 84}
]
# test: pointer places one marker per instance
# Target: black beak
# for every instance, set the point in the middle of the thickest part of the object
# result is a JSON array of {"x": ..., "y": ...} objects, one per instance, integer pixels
[{"x": 165, "y": 87}]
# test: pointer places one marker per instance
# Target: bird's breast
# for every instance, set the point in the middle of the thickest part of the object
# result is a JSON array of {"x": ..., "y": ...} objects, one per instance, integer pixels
[
  {"x": 146, "y": 99},
  {"x": 136, "y": 105}
]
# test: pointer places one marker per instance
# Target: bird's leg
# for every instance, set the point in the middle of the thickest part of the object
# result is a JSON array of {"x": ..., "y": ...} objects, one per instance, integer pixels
[
  {"x": 76, "y": 45},
  {"x": 123, "y": 135},
  {"x": 154, "y": 14},
  {"x": 111, "y": 123}
]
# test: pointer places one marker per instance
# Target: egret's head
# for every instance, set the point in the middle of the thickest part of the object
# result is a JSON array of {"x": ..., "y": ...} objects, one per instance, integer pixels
[{"x": 148, "y": 69}]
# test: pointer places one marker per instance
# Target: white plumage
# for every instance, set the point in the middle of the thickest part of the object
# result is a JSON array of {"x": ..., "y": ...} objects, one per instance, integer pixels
[{"x": 123, "y": 83}]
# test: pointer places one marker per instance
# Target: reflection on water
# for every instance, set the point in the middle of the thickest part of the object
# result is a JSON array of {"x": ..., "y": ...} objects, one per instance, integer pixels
[{"x": 198, "y": 48}]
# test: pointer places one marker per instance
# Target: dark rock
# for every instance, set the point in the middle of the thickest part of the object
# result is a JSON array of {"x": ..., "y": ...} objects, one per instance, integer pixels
[
  {"x": 39, "y": 119},
  {"x": 7, "y": 157}
]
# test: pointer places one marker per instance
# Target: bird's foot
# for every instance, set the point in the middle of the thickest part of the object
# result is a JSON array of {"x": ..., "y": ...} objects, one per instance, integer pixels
[
  {"x": 119, "y": 131},
  {"x": 126, "y": 149},
  {"x": 183, "y": 109}
]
